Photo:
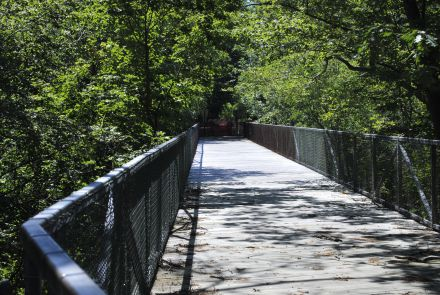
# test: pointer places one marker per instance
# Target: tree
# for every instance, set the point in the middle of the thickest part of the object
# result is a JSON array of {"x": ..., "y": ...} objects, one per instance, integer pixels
[
  {"x": 385, "y": 41},
  {"x": 396, "y": 41},
  {"x": 86, "y": 85}
]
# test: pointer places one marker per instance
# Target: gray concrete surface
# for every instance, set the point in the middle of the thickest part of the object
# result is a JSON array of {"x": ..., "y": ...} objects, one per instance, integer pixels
[{"x": 257, "y": 223}]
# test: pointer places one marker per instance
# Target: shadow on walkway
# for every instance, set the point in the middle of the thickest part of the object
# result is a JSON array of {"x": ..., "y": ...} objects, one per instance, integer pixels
[{"x": 322, "y": 235}]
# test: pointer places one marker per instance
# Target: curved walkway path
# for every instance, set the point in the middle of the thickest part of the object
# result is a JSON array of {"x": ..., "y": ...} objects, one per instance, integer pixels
[{"x": 257, "y": 223}]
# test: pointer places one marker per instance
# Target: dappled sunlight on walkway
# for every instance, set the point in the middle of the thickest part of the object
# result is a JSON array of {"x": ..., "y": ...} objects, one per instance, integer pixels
[{"x": 257, "y": 223}]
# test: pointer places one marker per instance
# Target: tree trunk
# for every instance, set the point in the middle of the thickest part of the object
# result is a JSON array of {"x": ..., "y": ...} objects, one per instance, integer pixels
[
  {"x": 416, "y": 16},
  {"x": 412, "y": 12},
  {"x": 147, "y": 74},
  {"x": 433, "y": 105}
]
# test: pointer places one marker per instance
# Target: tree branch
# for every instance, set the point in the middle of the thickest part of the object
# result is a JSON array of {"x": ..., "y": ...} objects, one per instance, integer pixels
[
  {"x": 394, "y": 74},
  {"x": 306, "y": 13},
  {"x": 350, "y": 66}
]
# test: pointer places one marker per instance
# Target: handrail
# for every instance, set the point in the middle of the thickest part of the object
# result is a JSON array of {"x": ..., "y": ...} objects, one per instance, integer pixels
[
  {"x": 369, "y": 135},
  {"x": 162, "y": 172},
  {"x": 398, "y": 172}
]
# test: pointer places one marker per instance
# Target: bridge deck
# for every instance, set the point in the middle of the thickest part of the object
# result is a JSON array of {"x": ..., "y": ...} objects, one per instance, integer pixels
[{"x": 263, "y": 224}]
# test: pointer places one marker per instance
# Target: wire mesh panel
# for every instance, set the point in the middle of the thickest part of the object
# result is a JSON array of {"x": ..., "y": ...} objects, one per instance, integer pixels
[
  {"x": 401, "y": 173},
  {"x": 363, "y": 154},
  {"x": 415, "y": 172},
  {"x": 115, "y": 229},
  {"x": 278, "y": 139},
  {"x": 314, "y": 151}
]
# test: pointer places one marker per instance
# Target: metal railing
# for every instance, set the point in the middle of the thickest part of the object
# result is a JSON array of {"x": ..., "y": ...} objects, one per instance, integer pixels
[
  {"x": 108, "y": 237},
  {"x": 398, "y": 172}
]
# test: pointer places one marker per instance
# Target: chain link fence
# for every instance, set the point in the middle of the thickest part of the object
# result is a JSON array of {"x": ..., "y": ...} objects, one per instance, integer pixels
[
  {"x": 400, "y": 173},
  {"x": 108, "y": 237}
]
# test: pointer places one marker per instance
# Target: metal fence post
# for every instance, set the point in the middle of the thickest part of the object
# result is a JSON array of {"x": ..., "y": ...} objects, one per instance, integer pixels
[
  {"x": 5, "y": 287},
  {"x": 398, "y": 175},
  {"x": 373, "y": 166},
  {"x": 340, "y": 158},
  {"x": 434, "y": 205},
  {"x": 32, "y": 278},
  {"x": 355, "y": 166}
]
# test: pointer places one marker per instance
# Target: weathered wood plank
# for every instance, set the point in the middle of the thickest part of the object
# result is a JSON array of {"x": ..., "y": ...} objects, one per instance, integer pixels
[{"x": 265, "y": 225}]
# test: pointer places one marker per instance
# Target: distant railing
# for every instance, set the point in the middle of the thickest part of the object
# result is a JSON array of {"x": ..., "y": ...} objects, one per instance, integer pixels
[
  {"x": 211, "y": 130},
  {"x": 398, "y": 172},
  {"x": 108, "y": 237}
]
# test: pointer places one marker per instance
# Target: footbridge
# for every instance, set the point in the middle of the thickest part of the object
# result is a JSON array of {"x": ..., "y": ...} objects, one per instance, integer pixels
[{"x": 283, "y": 210}]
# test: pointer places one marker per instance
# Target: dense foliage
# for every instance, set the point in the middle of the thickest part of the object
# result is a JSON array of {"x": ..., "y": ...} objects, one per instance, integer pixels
[
  {"x": 370, "y": 66},
  {"x": 85, "y": 85}
]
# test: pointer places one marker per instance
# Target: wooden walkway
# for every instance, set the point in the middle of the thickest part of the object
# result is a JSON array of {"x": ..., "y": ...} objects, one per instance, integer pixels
[{"x": 257, "y": 223}]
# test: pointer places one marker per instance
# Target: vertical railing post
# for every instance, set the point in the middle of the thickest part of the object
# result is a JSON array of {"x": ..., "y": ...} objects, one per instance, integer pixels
[
  {"x": 32, "y": 278},
  {"x": 373, "y": 165},
  {"x": 399, "y": 176},
  {"x": 434, "y": 205},
  {"x": 355, "y": 165},
  {"x": 159, "y": 209},
  {"x": 117, "y": 281},
  {"x": 339, "y": 155}
]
